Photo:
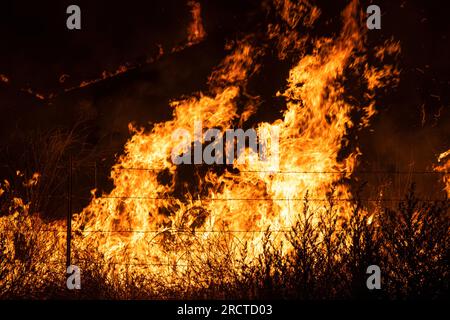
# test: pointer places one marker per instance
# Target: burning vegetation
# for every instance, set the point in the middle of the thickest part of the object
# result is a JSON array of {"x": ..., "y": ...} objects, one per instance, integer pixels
[{"x": 297, "y": 228}]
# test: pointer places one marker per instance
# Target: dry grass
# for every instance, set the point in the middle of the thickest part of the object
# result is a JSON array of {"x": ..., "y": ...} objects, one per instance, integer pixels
[{"x": 328, "y": 260}]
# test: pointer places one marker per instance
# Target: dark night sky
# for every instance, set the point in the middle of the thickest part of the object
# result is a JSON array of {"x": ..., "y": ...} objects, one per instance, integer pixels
[{"x": 37, "y": 49}]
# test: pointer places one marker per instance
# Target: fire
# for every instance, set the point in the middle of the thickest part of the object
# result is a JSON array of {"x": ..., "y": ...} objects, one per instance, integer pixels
[
  {"x": 196, "y": 32},
  {"x": 445, "y": 168},
  {"x": 4, "y": 78},
  {"x": 28, "y": 244},
  {"x": 152, "y": 218},
  {"x": 144, "y": 220}
]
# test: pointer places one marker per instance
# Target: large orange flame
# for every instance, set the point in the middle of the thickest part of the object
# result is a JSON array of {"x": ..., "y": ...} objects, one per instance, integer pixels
[
  {"x": 146, "y": 220},
  {"x": 252, "y": 198}
]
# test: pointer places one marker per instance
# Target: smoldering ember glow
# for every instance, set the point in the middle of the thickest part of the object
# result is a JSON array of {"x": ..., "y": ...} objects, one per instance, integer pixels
[{"x": 282, "y": 225}]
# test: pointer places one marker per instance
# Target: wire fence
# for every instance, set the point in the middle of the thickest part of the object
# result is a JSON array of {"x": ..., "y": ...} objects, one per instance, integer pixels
[
  {"x": 394, "y": 172},
  {"x": 95, "y": 167}
]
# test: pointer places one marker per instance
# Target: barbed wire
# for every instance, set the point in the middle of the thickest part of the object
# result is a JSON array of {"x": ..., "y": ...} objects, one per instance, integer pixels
[
  {"x": 193, "y": 231},
  {"x": 244, "y": 199},
  {"x": 161, "y": 264},
  {"x": 141, "y": 264},
  {"x": 399, "y": 172},
  {"x": 96, "y": 166},
  {"x": 301, "y": 172},
  {"x": 266, "y": 199}
]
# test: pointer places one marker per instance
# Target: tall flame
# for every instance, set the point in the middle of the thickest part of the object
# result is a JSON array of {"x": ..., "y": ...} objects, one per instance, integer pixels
[
  {"x": 152, "y": 218},
  {"x": 169, "y": 226}
]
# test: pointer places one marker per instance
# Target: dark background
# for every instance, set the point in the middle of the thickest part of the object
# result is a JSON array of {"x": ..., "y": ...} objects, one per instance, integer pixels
[{"x": 410, "y": 130}]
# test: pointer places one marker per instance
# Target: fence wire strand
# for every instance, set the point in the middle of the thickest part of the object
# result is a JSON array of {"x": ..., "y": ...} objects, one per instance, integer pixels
[{"x": 206, "y": 199}]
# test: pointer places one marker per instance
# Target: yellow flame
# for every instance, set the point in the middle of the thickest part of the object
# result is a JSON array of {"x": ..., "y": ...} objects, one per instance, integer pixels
[
  {"x": 145, "y": 220},
  {"x": 314, "y": 124}
]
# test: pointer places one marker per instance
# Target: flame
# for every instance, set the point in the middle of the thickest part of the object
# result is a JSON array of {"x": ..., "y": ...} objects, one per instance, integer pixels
[
  {"x": 445, "y": 168},
  {"x": 152, "y": 218},
  {"x": 27, "y": 243},
  {"x": 104, "y": 76},
  {"x": 196, "y": 32},
  {"x": 33, "y": 181},
  {"x": 37, "y": 95},
  {"x": 285, "y": 34},
  {"x": 4, "y": 78},
  {"x": 170, "y": 226}
]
